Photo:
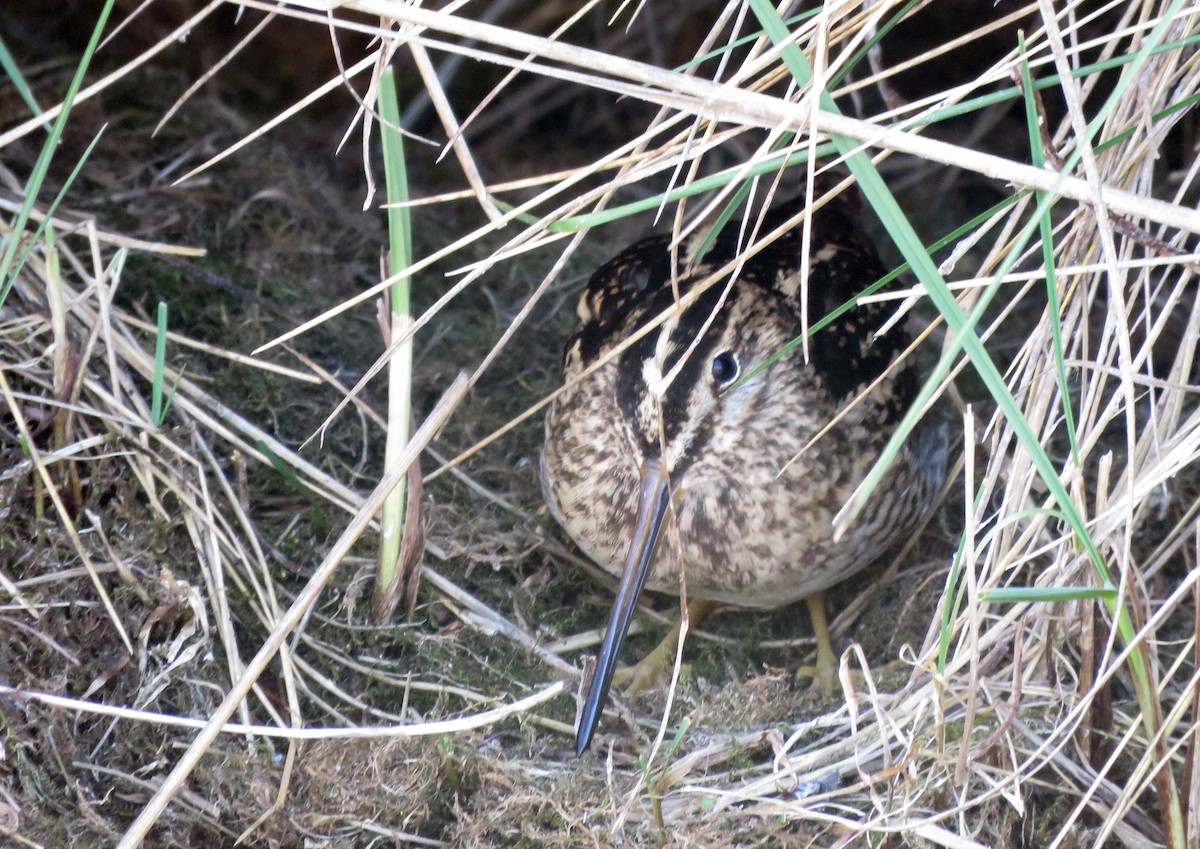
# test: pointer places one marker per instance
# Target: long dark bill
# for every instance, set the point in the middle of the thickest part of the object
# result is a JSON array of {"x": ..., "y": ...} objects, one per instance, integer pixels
[{"x": 652, "y": 509}]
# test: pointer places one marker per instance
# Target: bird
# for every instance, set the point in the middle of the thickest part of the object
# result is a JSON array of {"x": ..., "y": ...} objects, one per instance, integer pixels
[{"x": 686, "y": 453}]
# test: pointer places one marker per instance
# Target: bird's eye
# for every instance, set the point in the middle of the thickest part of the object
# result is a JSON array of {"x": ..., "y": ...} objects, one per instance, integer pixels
[{"x": 725, "y": 367}]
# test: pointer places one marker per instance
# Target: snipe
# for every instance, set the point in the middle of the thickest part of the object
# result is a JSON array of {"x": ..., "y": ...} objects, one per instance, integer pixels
[{"x": 684, "y": 423}]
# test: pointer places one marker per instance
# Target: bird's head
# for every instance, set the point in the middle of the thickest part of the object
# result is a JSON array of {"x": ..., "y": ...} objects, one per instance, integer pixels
[{"x": 694, "y": 380}]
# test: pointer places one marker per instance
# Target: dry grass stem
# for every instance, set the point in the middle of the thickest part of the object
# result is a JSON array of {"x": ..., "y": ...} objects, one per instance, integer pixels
[{"x": 1000, "y": 683}]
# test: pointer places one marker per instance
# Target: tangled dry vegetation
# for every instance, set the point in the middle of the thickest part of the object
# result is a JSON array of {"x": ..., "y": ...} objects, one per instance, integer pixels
[{"x": 186, "y": 558}]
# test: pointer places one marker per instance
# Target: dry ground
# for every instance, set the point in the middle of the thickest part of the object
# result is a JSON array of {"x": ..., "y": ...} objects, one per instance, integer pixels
[{"x": 190, "y": 541}]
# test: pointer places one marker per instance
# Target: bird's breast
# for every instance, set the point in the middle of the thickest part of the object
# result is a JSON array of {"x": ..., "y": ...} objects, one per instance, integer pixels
[{"x": 752, "y": 515}]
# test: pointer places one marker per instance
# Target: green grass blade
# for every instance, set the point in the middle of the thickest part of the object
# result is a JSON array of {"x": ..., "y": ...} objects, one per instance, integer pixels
[
  {"x": 42, "y": 166},
  {"x": 157, "y": 413},
  {"x": 1046, "y": 230},
  {"x": 963, "y": 327},
  {"x": 956, "y": 586},
  {"x": 1043, "y": 595},
  {"x": 720, "y": 180},
  {"x": 36, "y": 238},
  {"x": 740, "y": 42},
  {"x": 1003, "y": 95},
  {"x": 825, "y": 149},
  {"x": 953, "y": 236},
  {"x": 400, "y": 364},
  {"x": 287, "y": 472},
  {"x": 9, "y": 65},
  {"x": 968, "y": 341}
]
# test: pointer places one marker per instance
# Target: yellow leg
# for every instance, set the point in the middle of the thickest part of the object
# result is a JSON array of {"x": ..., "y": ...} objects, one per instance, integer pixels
[
  {"x": 652, "y": 669},
  {"x": 824, "y": 671}
]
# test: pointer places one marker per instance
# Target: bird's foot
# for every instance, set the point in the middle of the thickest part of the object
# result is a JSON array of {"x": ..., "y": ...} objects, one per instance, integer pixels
[
  {"x": 825, "y": 678},
  {"x": 651, "y": 671},
  {"x": 654, "y": 669},
  {"x": 824, "y": 672}
]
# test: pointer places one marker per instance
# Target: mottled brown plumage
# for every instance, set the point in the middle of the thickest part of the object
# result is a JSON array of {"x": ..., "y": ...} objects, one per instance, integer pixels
[{"x": 682, "y": 410}]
